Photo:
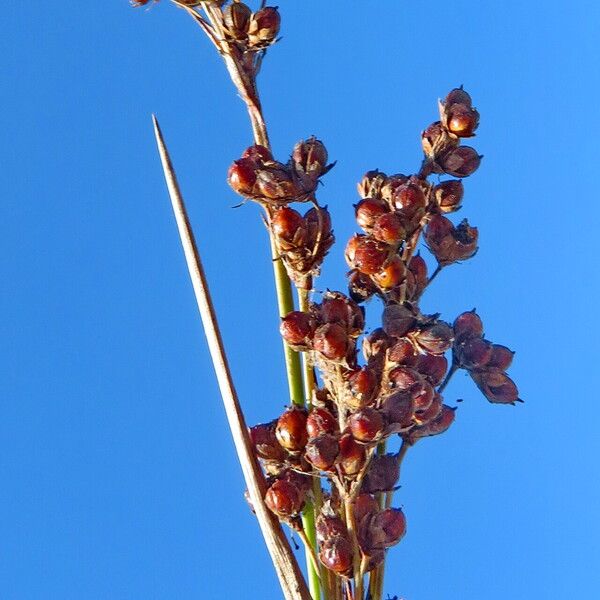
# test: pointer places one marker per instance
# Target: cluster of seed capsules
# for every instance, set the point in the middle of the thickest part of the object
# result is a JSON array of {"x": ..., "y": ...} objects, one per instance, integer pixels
[
  {"x": 302, "y": 241},
  {"x": 249, "y": 31},
  {"x": 396, "y": 389}
]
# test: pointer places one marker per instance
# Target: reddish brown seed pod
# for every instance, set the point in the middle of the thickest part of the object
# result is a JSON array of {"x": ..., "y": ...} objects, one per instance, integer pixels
[
  {"x": 409, "y": 199},
  {"x": 457, "y": 96},
  {"x": 389, "y": 229},
  {"x": 434, "y": 339},
  {"x": 496, "y": 386},
  {"x": 336, "y": 554},
  {"x": 366, "y": 254},
  {"x": 289, "y": 225},
  {"x": 462, "y": 120},
  {"x": 403, "y": 353},
  {"x": 368, "y": 211},
  {"x": 375, "y": 344},
  {"x": 438, "y": 425},
  {"x": 387, "y": 528},
  {"x": 339, "y": 309},
  {"x": 474, "y": 353},
  {"x": 329, "y": 526},
  {"x": 242, "y": 176},
  {"x": 432, "y": 412},
  {"x": 352, "y": 455},
  {"x": 259, "y": 154},
  {"x": 501, "y": 357},
  {"x": 319, "y": 422},
  {"x": 418, "y": 267},
  {"x": 365, "y": 505},
  {"x": 274, "y": 182},
  {"x": 284, "y": 499},
  {"x": 382, "y": 474},
  {"x": 405, "y": 379},
  {"x": 264, "y": 26},
  {"x": 460, "y": 162},
  {"x": 322, "y": 451},
  {"x": 366, "y": 425},
  {"x": 438, "y": 229},
  {"x": 360, "y": 286},
  {"x": 237, "y": 19},
  {"x": 363, "y": 384},
  {"x": 297, "y": 329},
  {"x": 449, "y": 195},
  {"x": 310, "y": 157},
  {"x": 265, "y": 441},
  {"x": 392, "y": 274},
  {"x": 436, "y": 140},
  {"x": 451, "y": 244},
  {"x": 291, "y": 429},
  {"x": 467, "y": 325},
  {"x": 433, "y": 367},
  {"x": 424, "y": 397},
  {"x": 371, "y": 184},
  {"x": 331, "y": 340},
  {"x": 398, "y": 408},
  {"x": 398, "y": 320}
]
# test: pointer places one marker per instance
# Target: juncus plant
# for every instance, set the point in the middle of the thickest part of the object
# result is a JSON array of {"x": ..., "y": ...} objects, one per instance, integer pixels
[{"x": 329, "y": 464}]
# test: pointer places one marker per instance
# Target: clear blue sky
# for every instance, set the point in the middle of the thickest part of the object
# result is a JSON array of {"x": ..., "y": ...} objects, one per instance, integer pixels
[{"x": 118, "y": 477}]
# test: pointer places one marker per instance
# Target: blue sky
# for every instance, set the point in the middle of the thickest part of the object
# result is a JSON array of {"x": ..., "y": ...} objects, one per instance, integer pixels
[{"x": 118, "y": 476}]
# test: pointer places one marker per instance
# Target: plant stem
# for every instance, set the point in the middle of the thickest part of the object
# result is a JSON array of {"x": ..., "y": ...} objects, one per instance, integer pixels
[{"x": 286, "y": 566}]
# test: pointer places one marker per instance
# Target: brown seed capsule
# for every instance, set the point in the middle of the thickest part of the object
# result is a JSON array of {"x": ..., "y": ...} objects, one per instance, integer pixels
[
  {"x": 364, "y": 506},
  {"x": 338, "y": 308},
  {"x": 368, "y": 211},
  {"x": 392, "y": 275},
  {"x": 409, "y": 199},
  {"x": 237, "y": 19},
  {"x": 418, "y": 267},
  {"x": 423, "y": 398},
  {"x": 264, "y": 27},
  {"x": 460, "y": 162},
  {"x": 451, "y": 244},
  {"x": 405, "y": 379},
  {"x": 319, "y": 422},
  {"x": 397, "y": 320},
  {"x": 366, "y": 254},
  {"x": 284, "y": 499},
  {"x": 432, "y": 412},
  {"x": 457, "y": 96},
  {"x": 291, "y": 430},
  {"x": 336, "y": 554},
  {"x": 382, "y": 474},
  {"x": 331, "y": 340},
  {"x": 496, "y": 386},
  {"x": 375, "y": 344},
  {"x": 434, "y": 339},
  {"x": 289, "y": 225},
  {"x": 403, "y": 353},
  {"x": 360, "y": 286},
  {"x": 467, "y": 325},
  {"x": 438, "y": 425},
  {"x": 302, "y": 481},
  {"x": 322, "y": 451},
  {"x": 433, "y": 367},
  {"x": 392, "y": 183},
  {"x": 449, "y": 195},
  {"x": 297, "y": 329},
  {"x": 242, "y": 176},
  {"x": 389, "y": 229},
  {"x": 366, "y": 425},
  {"x": 398, "y": 408},
  {"x": 501, "y": 357},
  {"x": 274, "y": 182},
  {"x": 328, "y": 526},
  {"x": 265, "y": 442},
  {"x": 352, "y": 455},
  {"x": 260, "y": 154},
  {"x": 310, "y": 158},
  {"x": 371, "y": 184},
  {"x": 436, "y": 140},
  {"x": 387, "y": 528},
  {"x": 474, "y": 353},
  {"x": 363, "y": 385},
  {"x": 462, "y": 120}
]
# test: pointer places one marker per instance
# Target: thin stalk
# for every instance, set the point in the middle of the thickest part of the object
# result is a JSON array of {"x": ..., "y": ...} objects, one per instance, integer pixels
[
  {"x": 286, "y": 566},
  {"x": 450, "y": 374}
]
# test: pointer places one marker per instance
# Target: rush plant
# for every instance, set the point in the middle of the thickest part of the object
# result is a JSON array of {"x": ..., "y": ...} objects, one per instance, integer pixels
[{"x": 330, "y": 463}]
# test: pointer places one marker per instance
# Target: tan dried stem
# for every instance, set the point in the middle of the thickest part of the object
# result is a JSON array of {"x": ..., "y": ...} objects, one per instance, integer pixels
[{"x": 286, "y": 566}]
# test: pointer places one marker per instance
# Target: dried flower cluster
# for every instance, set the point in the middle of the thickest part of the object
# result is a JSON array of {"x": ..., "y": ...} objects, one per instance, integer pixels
[{"x": 361, "y": 390}]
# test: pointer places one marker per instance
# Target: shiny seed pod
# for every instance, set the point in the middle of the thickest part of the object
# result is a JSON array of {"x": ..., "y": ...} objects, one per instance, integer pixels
[
  {"x": 336, "y": 554},
  {"x": 291, "y": 430},
  {"x": 365, "y": 506},
  {"x": 474, "y": 353},
  {"x": 382, "y": 474},
  {"x": 433, "y": 367},
  {"x": 297, "y": 329},
  {"x": 322, "y": 451},
  {"x": 403, "y": 353},
  {"x": 457, "y": 96},
  {"x": 265, "y": 442},
  {"x": 288, "y": 224},
  {"x": 432, "y": 412},
  {"x": 259, "y": 154},
  {"x": 329, "y": 526},
  {"x": 366, "y": 254},
  {"x": 434, "y": 339},
  {"x": 368, "y": 210},
  {"x": 460, "y": 162},
  {"x": 449, "y": 195},
  {"x": 360, "y": 286},
  {"x": 392, "y": 274},
  {"x": 438, "y": 425},
  {"x": 371, "y": 184},
  {"x": 264, "y": 26},
  {"x": 501, "y": 357},
  {"x": 366, "y": 425},
  {"x": 236, "y": 17},
  {"x": 319, "y": 422},
  {"x": 387, "y": 528},
  {"x": 331, "y": 340},
  {"x": 467, "y": 325},
  {"x": 363, "y": 384},
  {"x": 496, "y": 386},
  {"x": 341, "y": 310},
  {"x": 284, "y": 499},
  {"x": 398, "y": 409},
  {"x": 409, "y": 199},
  {"x": 352, "y": 455},
  {"x": 397, "y": 320},
  {"x": 389, "y": 229},
  {"x": 242, "y": 176},
  {"x": 462, "y": 120},
  {"x": 424, "y": 397}
]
